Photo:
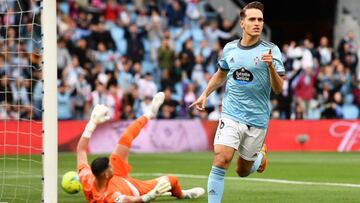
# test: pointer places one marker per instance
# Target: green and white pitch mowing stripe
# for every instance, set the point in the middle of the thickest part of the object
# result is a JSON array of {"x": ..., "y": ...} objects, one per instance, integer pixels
[{"x": 280, "y": 181}]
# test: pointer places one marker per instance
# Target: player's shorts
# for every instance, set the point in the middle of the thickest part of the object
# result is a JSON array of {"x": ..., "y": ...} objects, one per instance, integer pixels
[{"x": 247, "y": 140}]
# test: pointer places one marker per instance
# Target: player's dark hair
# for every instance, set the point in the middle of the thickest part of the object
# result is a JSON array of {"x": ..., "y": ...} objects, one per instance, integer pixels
[
  {"x": 252, "y": 5},
  {"x": 99, "y": 165}
]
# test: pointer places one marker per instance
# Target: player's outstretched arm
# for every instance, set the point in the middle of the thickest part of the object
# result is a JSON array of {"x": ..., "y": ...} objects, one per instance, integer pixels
[
  {"x": 162, "y": 187},
  {"x": 129, "y": 199},
  {"x": 215, "y": 82},
  {"x": 98, "y": 115}
]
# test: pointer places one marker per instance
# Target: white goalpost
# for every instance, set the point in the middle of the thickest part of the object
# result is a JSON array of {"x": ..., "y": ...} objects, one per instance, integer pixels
[
  {"x": 28, "y": 101},
  {"x": 49, "y": 102}
]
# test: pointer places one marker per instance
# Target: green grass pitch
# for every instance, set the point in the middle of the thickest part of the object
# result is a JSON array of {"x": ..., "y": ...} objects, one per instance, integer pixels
[{"x": 290, "y": 177}]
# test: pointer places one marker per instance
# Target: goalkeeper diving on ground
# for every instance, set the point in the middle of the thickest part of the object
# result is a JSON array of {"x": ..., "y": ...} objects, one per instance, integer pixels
[{"x": 107, "y": 180}]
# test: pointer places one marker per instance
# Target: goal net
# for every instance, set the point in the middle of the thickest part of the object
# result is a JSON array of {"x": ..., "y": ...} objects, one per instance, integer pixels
[{"x": 22, "y": 130}]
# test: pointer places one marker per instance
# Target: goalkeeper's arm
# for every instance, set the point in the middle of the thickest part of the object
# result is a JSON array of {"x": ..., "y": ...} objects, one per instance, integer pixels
[
  {"x": 98, "y": 116},
  {"x": 161, "y": 188}
]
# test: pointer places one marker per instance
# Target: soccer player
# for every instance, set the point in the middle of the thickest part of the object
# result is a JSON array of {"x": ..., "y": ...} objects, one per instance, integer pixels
[
  {"x": 108, "y": 180},
  {"x": 251, "y": 67}
]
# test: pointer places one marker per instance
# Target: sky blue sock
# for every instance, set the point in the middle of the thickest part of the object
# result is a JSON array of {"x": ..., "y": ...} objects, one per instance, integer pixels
[
  {"x": 257, "y": 163},
  {"x": 216, "y": 184}
]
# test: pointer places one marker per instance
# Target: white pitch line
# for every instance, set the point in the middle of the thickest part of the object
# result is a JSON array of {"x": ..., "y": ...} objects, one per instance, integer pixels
[
  {"x": 293, "y": 182},
  {"x": 280, "y": 181}
]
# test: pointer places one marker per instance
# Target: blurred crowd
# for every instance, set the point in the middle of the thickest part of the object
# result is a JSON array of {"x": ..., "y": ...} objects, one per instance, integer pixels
[
  {"x": 20, "y": 60},
  {"x": 121, "y": 52},
  {"x": 321, "y": 83}
]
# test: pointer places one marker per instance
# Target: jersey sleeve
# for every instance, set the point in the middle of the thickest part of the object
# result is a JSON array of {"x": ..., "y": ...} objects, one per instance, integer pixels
[
  {"x": 279, "y": 66},
  {"x": 119, "y": 166},
  {"x": 86, "y": 177},
  {"x": 115, "y": 197},
  {"x": 222, "y": 64}
]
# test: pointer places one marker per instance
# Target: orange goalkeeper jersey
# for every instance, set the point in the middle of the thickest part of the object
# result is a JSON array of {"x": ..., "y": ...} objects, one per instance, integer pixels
[{"x": 120, "y": 184}]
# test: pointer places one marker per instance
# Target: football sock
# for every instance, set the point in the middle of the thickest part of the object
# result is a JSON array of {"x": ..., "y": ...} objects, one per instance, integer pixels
[
  {"x": 216, "y": 184},
  {"x": 132, "y": 131},
  {"x": 175, "y": 187},
  {"x": 256, "y": 163}
]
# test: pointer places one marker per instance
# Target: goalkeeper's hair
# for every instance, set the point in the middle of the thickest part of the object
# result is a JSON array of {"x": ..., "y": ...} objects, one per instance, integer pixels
[
  {"x": 252, "y": 5},
  {"x": 99, "y": 165}
]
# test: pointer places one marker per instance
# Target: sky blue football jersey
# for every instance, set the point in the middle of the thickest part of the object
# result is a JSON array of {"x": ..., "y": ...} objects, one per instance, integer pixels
[{"x": 248, "y": 87}]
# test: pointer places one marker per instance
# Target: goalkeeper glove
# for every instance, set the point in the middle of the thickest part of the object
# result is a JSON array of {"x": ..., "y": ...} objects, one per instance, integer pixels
[
  {"x": 98, "y": 116},
  {"x": 161, "y": 187}
]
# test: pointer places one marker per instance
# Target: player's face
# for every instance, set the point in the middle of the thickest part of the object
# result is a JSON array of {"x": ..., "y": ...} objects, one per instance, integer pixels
[
  {"x": 253, "y": 22},
  {"x": 109, "y": 172}
]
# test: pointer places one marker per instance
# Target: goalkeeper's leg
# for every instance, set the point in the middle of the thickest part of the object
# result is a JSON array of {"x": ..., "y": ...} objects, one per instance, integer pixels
[
  {"x": 146, "y": 186},
  {"x": 176, "y": 190},
  {"x": 133, "y": 130}
]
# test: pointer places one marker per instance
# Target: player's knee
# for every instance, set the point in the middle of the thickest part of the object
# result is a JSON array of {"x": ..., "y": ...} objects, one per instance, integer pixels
[
  {"x": 241, "y": 172},
  {"x": 222, "y": 161}
]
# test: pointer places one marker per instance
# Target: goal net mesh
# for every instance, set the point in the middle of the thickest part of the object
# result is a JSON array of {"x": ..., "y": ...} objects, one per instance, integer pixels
[{"x": 20, "y": 101}]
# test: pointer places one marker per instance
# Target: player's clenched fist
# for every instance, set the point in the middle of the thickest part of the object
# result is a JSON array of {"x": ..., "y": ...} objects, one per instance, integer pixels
[{"x": 267, "y": 58}]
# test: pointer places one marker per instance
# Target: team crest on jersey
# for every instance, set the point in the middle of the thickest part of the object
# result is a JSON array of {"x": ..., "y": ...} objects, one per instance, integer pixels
[
  {"x": 256, "y": 60},
  {"x": 243, "y": 76}
]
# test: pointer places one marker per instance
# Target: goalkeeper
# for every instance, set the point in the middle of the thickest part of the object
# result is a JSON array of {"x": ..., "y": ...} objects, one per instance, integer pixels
[{"x": 108, "y": 180}]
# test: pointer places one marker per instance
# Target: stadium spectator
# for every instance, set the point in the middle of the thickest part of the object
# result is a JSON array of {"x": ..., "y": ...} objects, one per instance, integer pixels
[
  {"x": 63, "y": 56},
  {"x": 166, "y": 80},
  {"x": 175, "y": 11},
  {"x": 166, "y": 55},
  {"x": 301, "y": 56},
  {"x": 135, "y": 49},
  {"x": 349, "y": 110},
  {"x": 98, "y": 96},
  {"x": 325, "y": 54},
  {"x": 82, "y": 90},
  {"x": 155, "y": 30},
  {"x": 21, "y": 98},
  {"x": 305, "y": 89},
  {"x": 226, "y": 26},
  {"x": 216, "y": 114},
  {"x": 113, "y": 100},
  {"x": 65, "y": 105},
  {"x": 347, "y": 44},
  {"x": 99, "y": 34},
  {"x": 147, "y": 86},
  {"x": 187, "y": 57},
  {"x": 112, "y": 10},
  {"x": 71, "y": 72}
]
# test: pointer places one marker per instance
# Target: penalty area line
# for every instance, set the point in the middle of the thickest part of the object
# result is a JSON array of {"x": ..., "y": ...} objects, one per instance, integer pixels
[{"x": 280, "y": 181}]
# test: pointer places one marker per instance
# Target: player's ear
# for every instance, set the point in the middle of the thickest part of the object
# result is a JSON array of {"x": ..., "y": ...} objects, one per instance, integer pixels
[{"x": 242, "y": 23}]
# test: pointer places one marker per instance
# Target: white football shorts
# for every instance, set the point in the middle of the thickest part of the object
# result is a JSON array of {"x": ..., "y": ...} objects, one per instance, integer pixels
[{"x": 247, "y": 140}]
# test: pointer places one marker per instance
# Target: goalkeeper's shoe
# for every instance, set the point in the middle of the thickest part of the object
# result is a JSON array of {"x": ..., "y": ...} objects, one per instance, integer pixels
[
  {"x": 157, "y": 101},
  {"x": 264, "y": 160},
  {"x": 193, "y": 193}
]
